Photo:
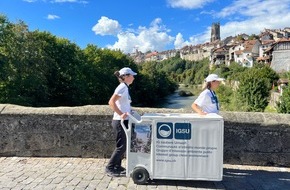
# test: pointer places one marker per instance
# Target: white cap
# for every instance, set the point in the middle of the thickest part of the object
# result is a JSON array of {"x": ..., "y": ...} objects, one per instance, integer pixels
[
  {"x": 213, "y": 77},
  {"x": 126, "y": 71}
]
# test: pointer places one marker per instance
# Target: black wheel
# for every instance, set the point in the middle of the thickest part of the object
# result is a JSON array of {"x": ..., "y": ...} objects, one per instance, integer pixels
[{"x": 140, "y": 175}]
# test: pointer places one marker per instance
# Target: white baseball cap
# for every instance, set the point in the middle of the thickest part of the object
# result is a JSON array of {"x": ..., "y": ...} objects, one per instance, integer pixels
[
  {"x": 126, "y": 71},
  {"x": 213, "y": 77}
]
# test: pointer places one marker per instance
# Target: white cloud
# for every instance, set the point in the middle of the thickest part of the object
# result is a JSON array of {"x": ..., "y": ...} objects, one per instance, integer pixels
[
  {"x": 236, "y": 18},
  {"x": 30, "y": 1},
  {"x": 252, "y": 17},
  {"x": 179, "y": 41},
  {"x": 106, "y": 26},
  {"x": 249, "y": 17},
  {"x": 52, "y": 17},
  {"x": 145, "y": 39},
  {"x": 188, "y": 4},
  {"x": 255, "y": 8}
]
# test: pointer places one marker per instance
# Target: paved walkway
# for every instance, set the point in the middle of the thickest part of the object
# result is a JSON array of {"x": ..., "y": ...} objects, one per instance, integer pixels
[{"x": 88, "y": 173}]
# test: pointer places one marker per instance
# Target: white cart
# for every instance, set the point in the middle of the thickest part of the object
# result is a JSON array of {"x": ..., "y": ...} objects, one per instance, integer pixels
[{"x": 174, "y": 146}]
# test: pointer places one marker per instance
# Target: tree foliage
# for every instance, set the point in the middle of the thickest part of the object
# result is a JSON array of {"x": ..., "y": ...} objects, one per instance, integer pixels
[
  {"x": 155, "y": 83},
  {"x": 283, "y": 106},
  {"x": 284, "y": 103},
  {"x": 253, "y": 91},
  {"x": 40, "y": 69}
]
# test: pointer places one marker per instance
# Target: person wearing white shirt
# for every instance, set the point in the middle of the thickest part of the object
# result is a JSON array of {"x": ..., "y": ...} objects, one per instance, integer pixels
[
  {"x": 207, "y": 101},
  {"x": 120, "y": 103}
]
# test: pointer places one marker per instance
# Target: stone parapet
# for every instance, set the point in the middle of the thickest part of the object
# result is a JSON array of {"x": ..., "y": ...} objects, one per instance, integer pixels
[{"x": 85, "y": 131}]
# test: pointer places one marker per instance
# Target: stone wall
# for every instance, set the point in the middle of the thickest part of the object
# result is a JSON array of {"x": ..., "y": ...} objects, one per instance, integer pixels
[
  {"x": 281, "y": 60},
  {"x": 249, "y": 138}
]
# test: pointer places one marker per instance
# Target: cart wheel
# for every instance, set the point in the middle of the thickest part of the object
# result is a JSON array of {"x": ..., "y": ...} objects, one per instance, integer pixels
[{"x": 140, "y": 176}]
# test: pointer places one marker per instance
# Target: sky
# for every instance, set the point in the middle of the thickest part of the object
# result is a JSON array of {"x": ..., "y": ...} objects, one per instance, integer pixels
[{"x": 146, "y": 25}]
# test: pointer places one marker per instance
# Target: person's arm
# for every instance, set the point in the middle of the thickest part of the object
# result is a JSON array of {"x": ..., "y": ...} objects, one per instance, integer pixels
[
  {"x": 197, "y": 109},
  {"x": 113, "y": 105}
]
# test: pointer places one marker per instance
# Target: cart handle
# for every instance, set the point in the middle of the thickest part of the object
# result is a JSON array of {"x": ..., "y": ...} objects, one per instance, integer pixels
[{"x": 133, "y": 119}]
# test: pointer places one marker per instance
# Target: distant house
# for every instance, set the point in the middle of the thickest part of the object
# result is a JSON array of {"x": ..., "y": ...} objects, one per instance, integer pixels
[
  {"x": 278, "y": 34},
  {"x": 167, "y": 54},
  {"x": 266, "y": 36},
  {"x": 245, "y": 52},
  {"x": 220, "y": 55},
  {"x": 199, "y": 51},
  {"x": 280, "y": 52},
  {"x": 153, "y": 56},
  {"x": 263, "y": 56},
  {"x": 272, "y": 49}
]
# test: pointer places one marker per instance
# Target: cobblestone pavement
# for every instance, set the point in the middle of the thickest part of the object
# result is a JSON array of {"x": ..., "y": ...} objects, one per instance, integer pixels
[{"x": 88, "y": 173}]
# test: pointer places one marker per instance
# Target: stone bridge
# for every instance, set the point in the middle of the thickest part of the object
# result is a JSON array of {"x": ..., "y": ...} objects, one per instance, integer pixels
[{"x": 85, "y": 131}]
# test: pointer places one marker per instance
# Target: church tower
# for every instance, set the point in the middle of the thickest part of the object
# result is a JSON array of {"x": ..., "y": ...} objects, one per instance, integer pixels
[{"x": 215, "y": 32}]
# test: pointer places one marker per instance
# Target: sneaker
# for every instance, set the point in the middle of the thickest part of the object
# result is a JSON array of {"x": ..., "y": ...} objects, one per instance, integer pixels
[
  {"x": 121, "y": 169},
  {"x": 112, "y": 173}
]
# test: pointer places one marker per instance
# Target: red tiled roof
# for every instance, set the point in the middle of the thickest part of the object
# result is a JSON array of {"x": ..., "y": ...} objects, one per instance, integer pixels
[
  {"x": 152, "y": 54},
  {"x": 265, "y": 42},
  {"x": 249, "y": 44}
]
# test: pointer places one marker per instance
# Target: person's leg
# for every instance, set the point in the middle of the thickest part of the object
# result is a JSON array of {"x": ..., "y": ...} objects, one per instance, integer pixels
[{"x": 116, "y": 158}]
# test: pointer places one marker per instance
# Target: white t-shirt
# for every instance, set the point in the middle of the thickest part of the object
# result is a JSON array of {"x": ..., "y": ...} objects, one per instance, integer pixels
[
  {"x": 124, "y": 103},
  {"x": 207, "y": 101}
]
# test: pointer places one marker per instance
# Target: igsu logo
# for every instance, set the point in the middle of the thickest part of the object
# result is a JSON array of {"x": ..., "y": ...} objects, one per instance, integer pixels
[
  {"x": 187, "y": 131},
  {"x": 180, "y": 131},
  {"x": 164, "y": 130}
]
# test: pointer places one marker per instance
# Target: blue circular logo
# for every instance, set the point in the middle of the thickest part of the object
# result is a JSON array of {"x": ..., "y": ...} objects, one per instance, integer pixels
[{"x": 164, "y": 130}]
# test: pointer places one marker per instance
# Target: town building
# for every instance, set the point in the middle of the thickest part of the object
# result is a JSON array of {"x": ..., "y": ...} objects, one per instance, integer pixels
[
  {"x": 272, "y": 48},
  {"x": 280, "y": 56}
]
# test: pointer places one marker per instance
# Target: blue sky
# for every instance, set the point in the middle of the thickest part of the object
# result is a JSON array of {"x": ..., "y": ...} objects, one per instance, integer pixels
[{"x": 146, "y": 25}]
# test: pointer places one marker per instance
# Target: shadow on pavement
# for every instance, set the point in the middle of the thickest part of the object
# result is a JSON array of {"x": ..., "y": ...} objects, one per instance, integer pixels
[{"x": 234, "y": 179}]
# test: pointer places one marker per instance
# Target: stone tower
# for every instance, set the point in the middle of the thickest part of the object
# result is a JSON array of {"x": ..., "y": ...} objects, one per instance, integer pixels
[{"x": 215, "y": 32}]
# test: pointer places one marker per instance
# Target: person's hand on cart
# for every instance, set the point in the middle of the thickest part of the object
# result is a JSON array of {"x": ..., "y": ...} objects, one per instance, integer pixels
[{"x": 124, "y": 115}]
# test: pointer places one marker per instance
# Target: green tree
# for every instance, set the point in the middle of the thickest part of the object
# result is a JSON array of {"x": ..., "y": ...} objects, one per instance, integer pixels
[
  {"x": 253, "y": 37},
  {"x": 22, "y": 70},
  {"x": 189, "y": 76},
  {"x": 225, "y": 95},
  {"x": 253, "y": 91},
  {"x": 155, "y": 85},
  {"x": 235, "y": 71},
  {"x": 268, "y": 73},
  {"x": 283, "y": 105},
  {"x": 202, "y": 69},
  {"x": 101, "y": 65}
]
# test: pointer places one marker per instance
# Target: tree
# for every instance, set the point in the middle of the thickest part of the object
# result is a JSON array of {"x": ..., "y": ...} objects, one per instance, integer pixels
[
  {"x": 202, "y": 69},
  {"x": 22, "y": 69},
  {"x": 235, "y": 71},
  {"x": 253, "y": 91},
  {"x": 253, "y": 37},
  {"x": 283, "y": 105},
  {"x": 151, "y": 85},
  {"x": 101, "y": 65},
  {"x": 268, "y": 73},
  {"x": 225, "y": 96}
]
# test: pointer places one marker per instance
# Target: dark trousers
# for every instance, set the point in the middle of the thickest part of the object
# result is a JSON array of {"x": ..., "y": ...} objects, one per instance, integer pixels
[{"x": 118, "y": 154}]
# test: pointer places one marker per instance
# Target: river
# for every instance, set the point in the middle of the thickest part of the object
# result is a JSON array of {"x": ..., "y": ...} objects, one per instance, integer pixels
[{"x": 174, "y": 101}]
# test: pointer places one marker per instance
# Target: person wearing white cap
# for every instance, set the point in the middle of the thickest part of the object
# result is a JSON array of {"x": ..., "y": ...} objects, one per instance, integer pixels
[
  {"x": 207, "y": 101},
  {"x": 120, "y": 102}
]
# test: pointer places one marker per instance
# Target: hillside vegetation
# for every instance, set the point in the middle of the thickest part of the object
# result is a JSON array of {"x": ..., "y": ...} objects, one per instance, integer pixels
[{"x": 39, "y": 69}]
